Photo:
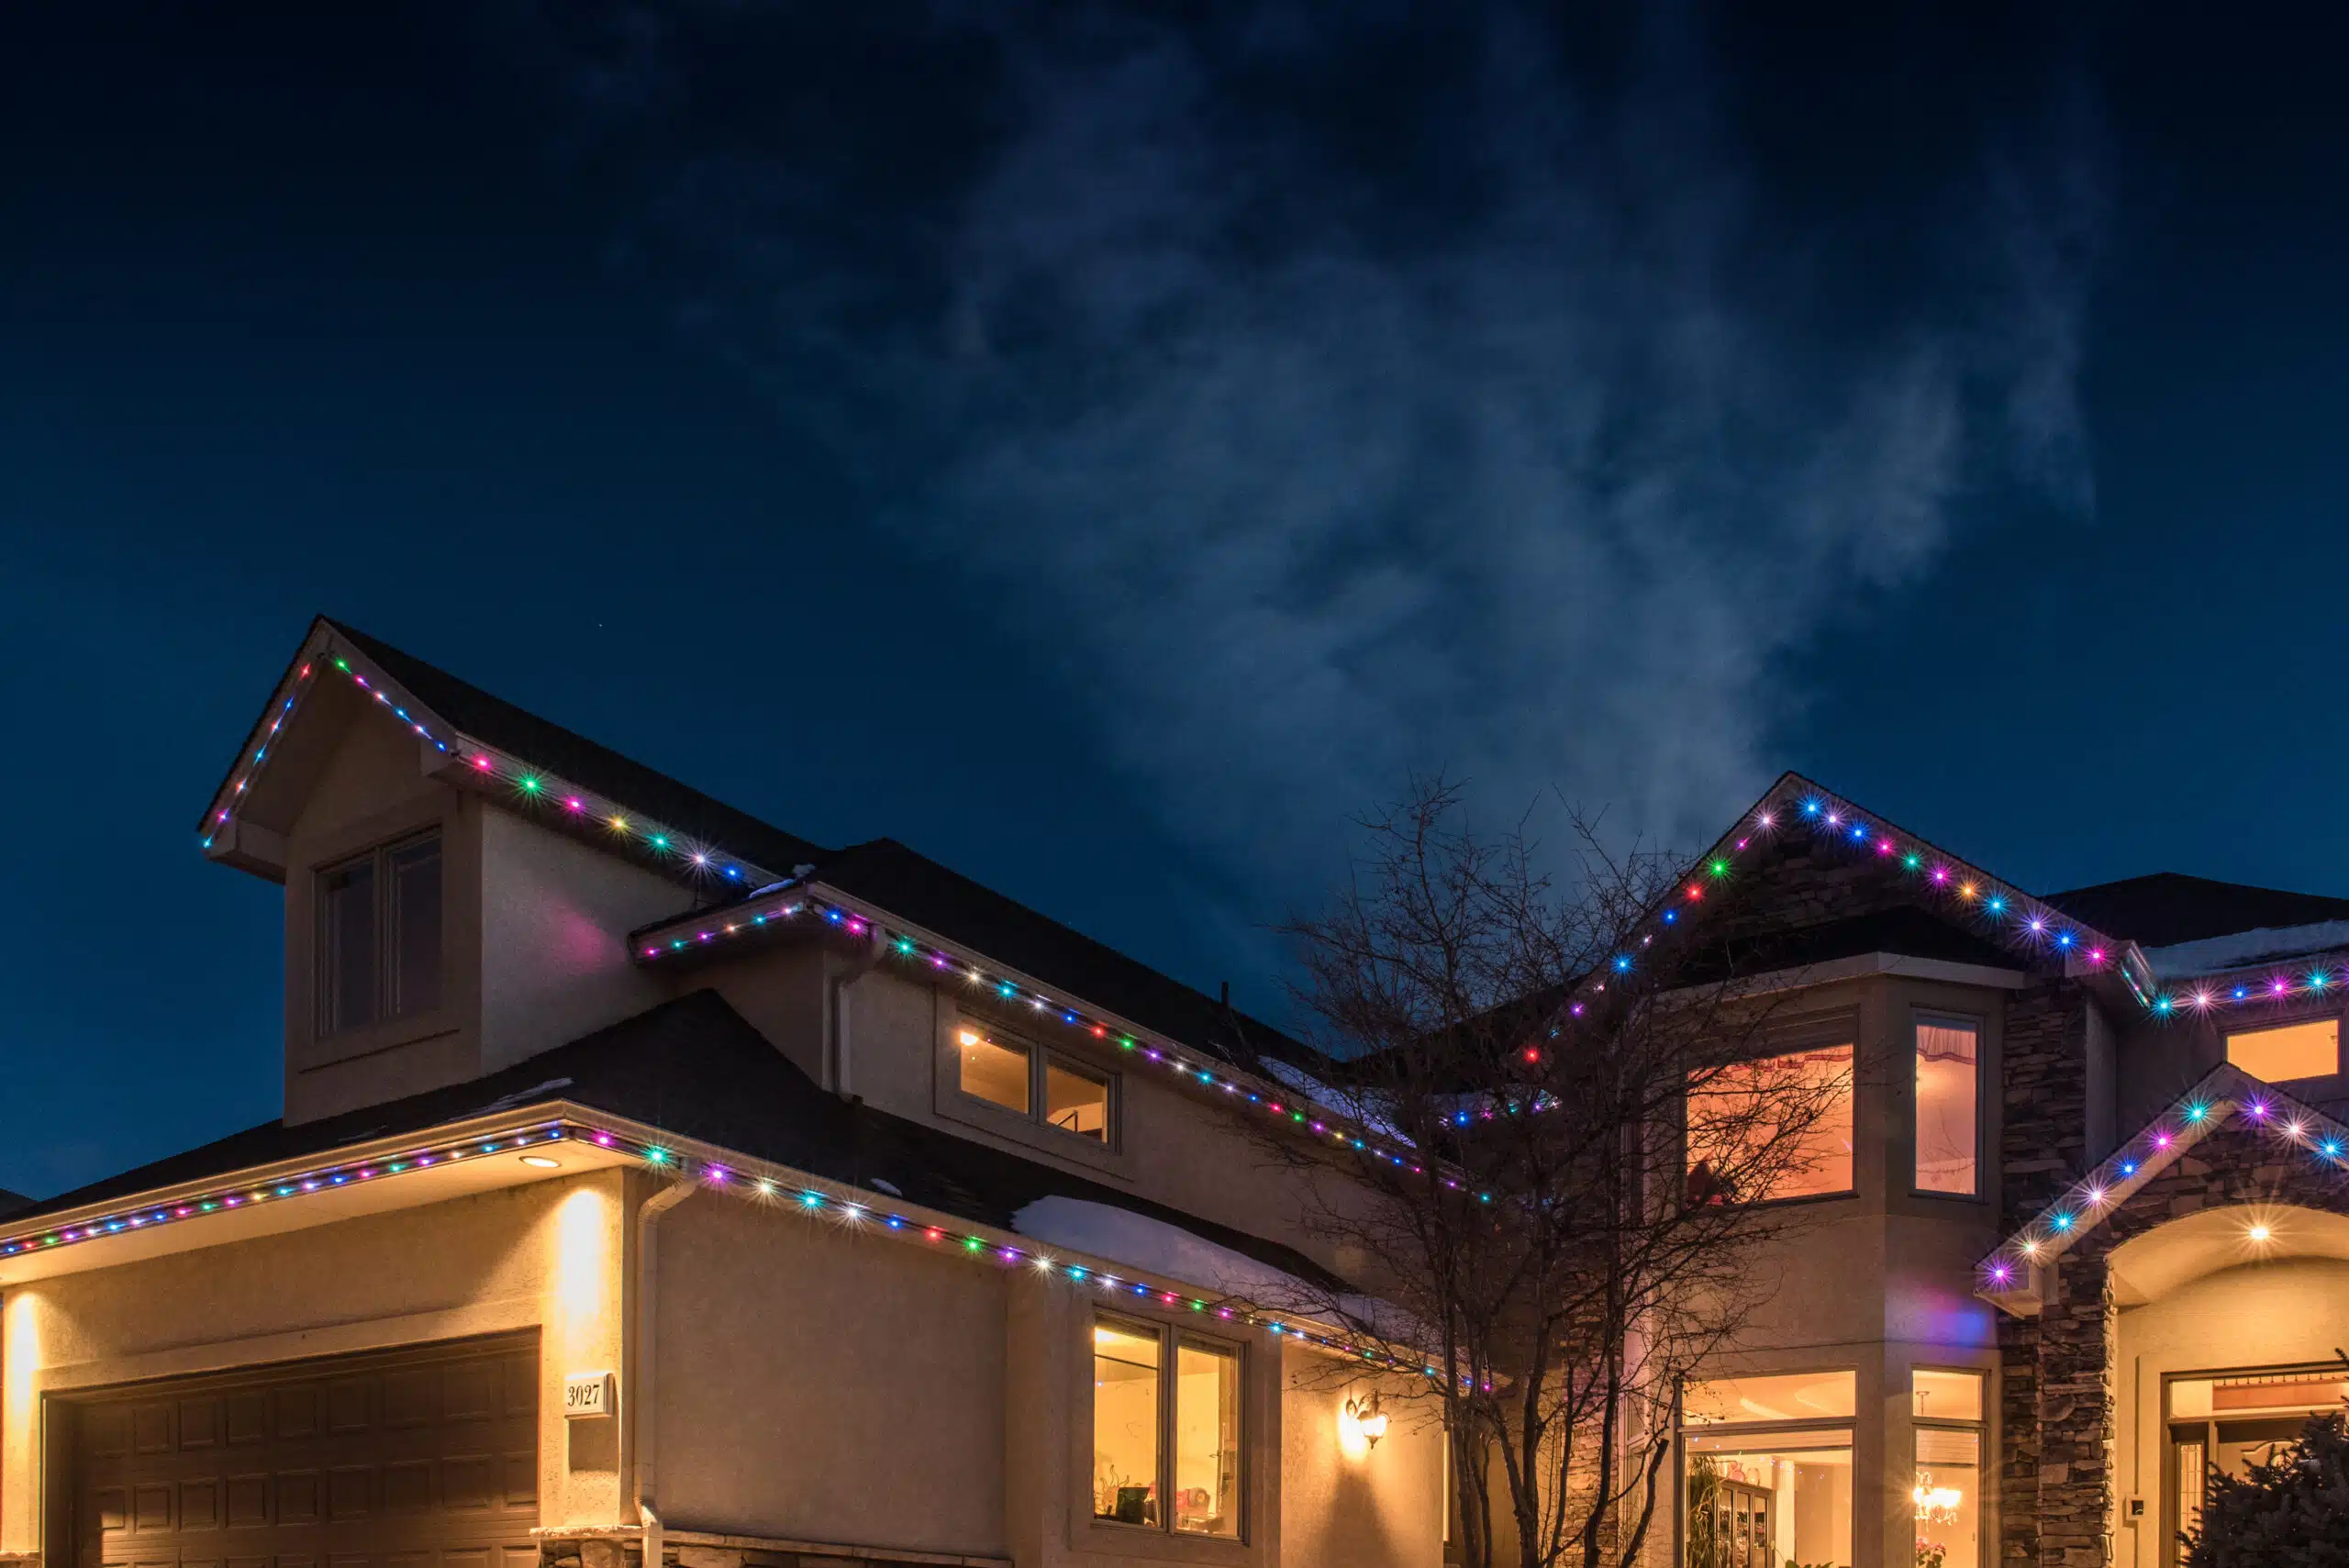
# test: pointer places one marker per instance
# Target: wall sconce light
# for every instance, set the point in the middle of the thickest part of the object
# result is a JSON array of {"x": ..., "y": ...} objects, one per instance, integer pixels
[{"x": 1368, "y": 1416}]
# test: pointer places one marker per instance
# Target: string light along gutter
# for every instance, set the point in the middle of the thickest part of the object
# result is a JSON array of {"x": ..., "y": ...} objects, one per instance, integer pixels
[
  {"x": 805, "y": 906},
  {"x": 855, "y": 1209},
  {"x": 232, "y": 1198},
  {"x": 2226, "y": 1096},
  {"x": 527, "y": 786}
]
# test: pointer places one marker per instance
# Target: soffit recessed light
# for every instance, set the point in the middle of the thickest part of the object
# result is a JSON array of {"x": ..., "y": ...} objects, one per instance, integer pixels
[{"x": 540, "y": 1162}]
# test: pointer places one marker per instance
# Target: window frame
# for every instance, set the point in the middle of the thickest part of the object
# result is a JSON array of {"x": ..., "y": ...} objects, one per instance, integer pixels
[
  {"x": 384, "y": 906},
  {"x": 1917, "y": 1018},
  {"x": 1171, "y": 1339},
  {"x": 2269, "y": 1025},
  {"x": 1682, "y": 1432},
  {"x": 1845, "y": 1039},
  {"x": 1041, "y": 1058},
  {"x": 1979, "y": 1426}
]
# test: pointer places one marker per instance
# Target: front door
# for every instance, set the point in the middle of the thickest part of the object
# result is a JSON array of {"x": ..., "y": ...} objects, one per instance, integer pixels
[{"x": 2225, "y": 1423}]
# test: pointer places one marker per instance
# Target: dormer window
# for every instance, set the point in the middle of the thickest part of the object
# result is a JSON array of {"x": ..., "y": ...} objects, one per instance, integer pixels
[{"x": 379, "y": 935}]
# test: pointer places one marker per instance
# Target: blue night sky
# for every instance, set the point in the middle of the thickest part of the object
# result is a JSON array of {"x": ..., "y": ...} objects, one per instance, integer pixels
[{"x": 1109, "y": 448}]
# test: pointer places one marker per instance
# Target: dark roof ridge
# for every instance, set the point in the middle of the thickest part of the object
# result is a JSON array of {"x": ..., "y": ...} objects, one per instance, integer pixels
[
  {"x": 693, "y": 1067},
  {"x": 510, "y": 726}
]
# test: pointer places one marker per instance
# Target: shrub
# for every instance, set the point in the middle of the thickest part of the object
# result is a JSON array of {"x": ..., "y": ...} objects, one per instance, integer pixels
[{"x": 2290, "y": 1512}]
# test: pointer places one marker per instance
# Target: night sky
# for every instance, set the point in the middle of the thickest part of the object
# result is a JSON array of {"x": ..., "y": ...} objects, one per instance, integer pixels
[{"x": 1108, "y": 449}]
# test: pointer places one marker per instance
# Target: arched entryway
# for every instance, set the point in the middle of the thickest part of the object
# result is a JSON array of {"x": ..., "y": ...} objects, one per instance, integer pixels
[{"x": 2228, "y": 1327}]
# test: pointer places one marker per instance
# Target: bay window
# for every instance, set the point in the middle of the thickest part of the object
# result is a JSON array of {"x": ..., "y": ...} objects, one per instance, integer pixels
[
  {"x": 1946, "y": 1498},
  {"x": 1778, "y": 1126},
  {"x": 1767, "y": 1469},
  {"x": 1949, "y": 1106}
]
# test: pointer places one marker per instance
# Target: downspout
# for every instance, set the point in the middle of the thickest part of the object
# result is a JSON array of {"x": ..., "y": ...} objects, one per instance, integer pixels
[{"x": 640, "y": 1404}]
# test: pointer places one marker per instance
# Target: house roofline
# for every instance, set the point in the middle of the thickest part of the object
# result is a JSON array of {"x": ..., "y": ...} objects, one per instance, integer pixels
[
  {"x": 2014, "y": 1275},
  {"x": 417, "y": 1167}
]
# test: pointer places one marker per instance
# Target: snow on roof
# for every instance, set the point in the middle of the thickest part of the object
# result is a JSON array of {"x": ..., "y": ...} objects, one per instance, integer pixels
[
  {"x": 1138, "y": 1242},
  {"x": 1104, "y": 1231},
  {"x": 2238, "y": 948}
]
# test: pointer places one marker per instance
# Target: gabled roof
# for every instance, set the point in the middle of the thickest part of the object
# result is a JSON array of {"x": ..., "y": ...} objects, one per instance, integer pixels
[
  {"x": 2169, "y": 908},
  {"x": 2003, "y": 917},
  {"x": 539, "y": 765},
  {"x": 697, "y": 1069},
  {"x": 2013, "y": 1276},
  {"x": 521, "y": 733}
]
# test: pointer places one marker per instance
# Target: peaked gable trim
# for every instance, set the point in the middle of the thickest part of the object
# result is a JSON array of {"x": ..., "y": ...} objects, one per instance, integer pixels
[
  {"x": 1796, "y": 807},
  {"x": 535, "y": 792},
  {"x": 2014, "y": 1277}
]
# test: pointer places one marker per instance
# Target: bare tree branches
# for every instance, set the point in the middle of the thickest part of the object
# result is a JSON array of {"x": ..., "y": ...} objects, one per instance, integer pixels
[{"x": 1597, "y": 1125}]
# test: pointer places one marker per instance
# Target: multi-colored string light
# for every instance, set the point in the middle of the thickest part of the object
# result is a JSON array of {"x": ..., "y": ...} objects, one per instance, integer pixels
[
  {"x": 853, "y": 1208},
  {"x": 2225, "y": 1095},
  {"x": 327, "y": 1178},
  {"x": 805, "y": 907}
]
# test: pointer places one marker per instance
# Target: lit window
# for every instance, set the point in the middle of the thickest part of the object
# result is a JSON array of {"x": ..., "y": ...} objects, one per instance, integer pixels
[
  {"x": 1945, "y": 1497},
  {"x": 379, "y": 948},
  {"x": 1781, "y": 1396},
  {"x": 1776, "y": 1128},
  {"x": 1032, "y": 1083},
  {"x": 2297, "y": 1051},
  {"x": 1206, "y": 1439},
  {"x": 1762, "y": 1487},
  {"x": 1076, "y": 1101},
  {"x": 994, "y": 1069},
  {"x": 1946, "y": 1396},
  {"x": 1147, "y": 1448},
  {"x": 1949, "y": 1096},
  {"x": 1125, "y": 1424}
]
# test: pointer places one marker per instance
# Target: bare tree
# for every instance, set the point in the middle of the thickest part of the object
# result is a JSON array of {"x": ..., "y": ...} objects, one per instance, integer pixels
[{"x": 1589, "y": 1115}]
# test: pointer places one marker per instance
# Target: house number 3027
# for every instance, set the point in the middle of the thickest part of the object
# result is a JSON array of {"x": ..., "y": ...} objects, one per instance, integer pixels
[{"x": 587, "y": 1394}]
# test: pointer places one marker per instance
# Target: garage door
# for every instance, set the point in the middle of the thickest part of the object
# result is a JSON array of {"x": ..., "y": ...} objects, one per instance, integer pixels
[{"x": 423, "y": 1457}]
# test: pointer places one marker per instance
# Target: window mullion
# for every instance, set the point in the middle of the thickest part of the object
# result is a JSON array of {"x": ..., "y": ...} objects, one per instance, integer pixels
[{"x": 1170, "y": 1348}]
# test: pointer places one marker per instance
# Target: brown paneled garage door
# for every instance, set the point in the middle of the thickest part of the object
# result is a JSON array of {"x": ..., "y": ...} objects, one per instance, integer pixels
[{"x": 420, "y": 1458}]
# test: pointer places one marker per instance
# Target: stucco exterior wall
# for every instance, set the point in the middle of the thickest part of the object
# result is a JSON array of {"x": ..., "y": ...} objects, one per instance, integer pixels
[
  {"x": 555, "y": 916},
  {"x": 821, "y": 1385},
  {"x": 1344, "y": 1500},
  {"x": 546, "y": 1255}
]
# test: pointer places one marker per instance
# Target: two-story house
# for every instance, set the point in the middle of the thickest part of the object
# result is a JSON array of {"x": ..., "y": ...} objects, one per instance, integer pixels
[
  {"x": 654, "y": 1186},
  {"x": 2080, "y": 1235}
]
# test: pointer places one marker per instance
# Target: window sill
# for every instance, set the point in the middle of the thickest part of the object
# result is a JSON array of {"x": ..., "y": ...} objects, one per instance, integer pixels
[
  {"x": 1033, "y": 1137},
  {"x": 385, "y": 1035},
  {"x": 1112, "y": 1539}
]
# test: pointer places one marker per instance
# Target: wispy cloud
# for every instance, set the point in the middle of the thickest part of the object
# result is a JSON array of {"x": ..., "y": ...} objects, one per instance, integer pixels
[{"x": 1341, "y": 405}]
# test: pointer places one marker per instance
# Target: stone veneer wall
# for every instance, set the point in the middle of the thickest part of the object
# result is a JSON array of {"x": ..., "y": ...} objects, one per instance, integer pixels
[
  {"x": 2066, "y": 1353},
  {"x": 2042, "y": 1144}
]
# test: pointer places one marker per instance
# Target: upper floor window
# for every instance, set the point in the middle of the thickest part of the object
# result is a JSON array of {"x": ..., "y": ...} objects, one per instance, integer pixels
[
  {"x": 1033, "y": 1083},
  {"x": 1949, "y": 1101},
  {"x": 1165, "y": 1451},
  {"x": 379, "y": 935},
  {"x": 1778, "y": 1125},
  {"x": 2311, "y": 1050}
]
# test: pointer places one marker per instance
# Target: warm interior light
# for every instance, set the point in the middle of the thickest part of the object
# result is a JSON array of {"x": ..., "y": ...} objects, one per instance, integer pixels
[
  {"x": 541, "y": 1162},
  {"x": 2259, "y": 1233}
]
